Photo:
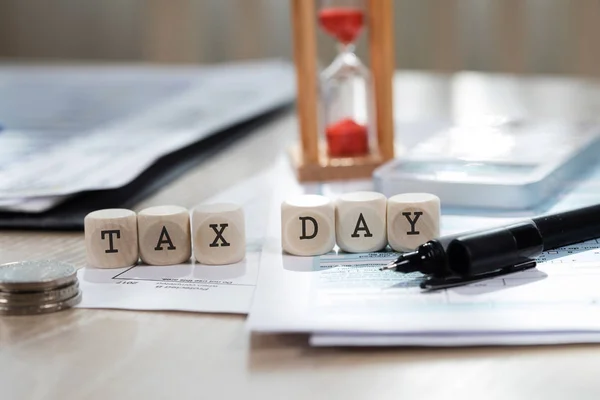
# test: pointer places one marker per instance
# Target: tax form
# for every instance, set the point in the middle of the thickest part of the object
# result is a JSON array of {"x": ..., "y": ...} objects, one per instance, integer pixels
[{"x": 343, "y": 299}]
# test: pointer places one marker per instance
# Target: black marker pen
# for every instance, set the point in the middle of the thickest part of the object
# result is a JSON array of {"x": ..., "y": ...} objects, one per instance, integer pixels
[{"x": 485, "y": 253}]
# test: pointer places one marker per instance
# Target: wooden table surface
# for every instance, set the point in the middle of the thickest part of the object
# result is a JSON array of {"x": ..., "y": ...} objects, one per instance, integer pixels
[{"x": 104, "y": 354}]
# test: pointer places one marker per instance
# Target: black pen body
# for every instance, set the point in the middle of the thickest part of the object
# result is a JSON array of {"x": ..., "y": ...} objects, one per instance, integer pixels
[
  {"x": 493, "y": 249},
  {"x": 569, "y": 227}
]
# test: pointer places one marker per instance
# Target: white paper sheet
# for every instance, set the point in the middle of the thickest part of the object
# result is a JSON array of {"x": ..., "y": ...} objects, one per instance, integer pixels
[
  {"x": 184, "y": 287},
  {"x": 454, "y": 340},
  {"x": 344, "y": 295},
  {"x": 191, "y": 286}
]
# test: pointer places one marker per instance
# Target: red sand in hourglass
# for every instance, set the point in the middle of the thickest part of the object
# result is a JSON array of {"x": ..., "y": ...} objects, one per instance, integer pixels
[
  {"x": 346, "y": 138},
  {"x": 343, "y": 23}
]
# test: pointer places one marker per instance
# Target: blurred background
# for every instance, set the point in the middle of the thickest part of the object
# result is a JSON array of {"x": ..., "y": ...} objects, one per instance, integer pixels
[{"x": 517, "y": 36}]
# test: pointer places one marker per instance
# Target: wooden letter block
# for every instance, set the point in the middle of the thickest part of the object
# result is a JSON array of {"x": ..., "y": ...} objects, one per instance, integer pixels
[
  {"x": 164, "y": 234},
  {"x": 111, "y": 238},
  {"x": 360, "y": 222},
  {"x": 219, "y": 233},
  {"x": 413, "y": 219},
  {"x": 308, "y": 225}
]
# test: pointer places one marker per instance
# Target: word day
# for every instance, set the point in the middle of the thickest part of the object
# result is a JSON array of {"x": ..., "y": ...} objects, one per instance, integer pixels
[
  {"x": 358, "y": 222},
  {"x": 164, "y": 235}
]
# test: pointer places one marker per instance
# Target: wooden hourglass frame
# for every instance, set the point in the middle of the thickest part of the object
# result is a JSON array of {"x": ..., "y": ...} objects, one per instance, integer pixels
[{"x": 310, "y": 157}]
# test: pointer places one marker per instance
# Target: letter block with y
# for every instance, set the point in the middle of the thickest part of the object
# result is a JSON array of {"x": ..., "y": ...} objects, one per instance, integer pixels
[
  {"x": 164, "y": 235},
  {"x": 413, "y": 219},
  {"x": 111, "y": 238},
  {"x": 308, "y": 225},
  {"x": 219, "y": 233},
  {"x": 360, "y": 222}
]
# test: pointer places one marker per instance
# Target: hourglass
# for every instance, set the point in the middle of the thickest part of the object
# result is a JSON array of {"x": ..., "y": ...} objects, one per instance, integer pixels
[
  {"x": 345, "y": 110},
  {"x": 345, "y": 84}
]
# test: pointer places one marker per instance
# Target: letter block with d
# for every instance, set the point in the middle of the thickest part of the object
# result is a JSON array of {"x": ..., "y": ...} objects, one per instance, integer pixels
[
  {"x": 308, "y": 225},
  {"x": 360, "y": 222},
  {"x": 164, "y": 235},
  {"x": 413, "y": 219},
  {"x": 219, "y": 233},
  {"x": 111, "y": 238}
]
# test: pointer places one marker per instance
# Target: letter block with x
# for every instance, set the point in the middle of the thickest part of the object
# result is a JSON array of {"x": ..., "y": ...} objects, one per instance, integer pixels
[
  {"x": 308, "y": 225},
  {"x": 111, "y": 238},
  {"x": 360, "y": 222},
  {"x": 413, "y": 219},
  {"x": 219, "y": 233},
  {"x": 164, "y": 235}
]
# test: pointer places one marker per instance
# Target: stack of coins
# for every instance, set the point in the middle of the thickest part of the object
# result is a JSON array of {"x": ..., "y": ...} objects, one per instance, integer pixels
[{"x": 37, "y": 287}]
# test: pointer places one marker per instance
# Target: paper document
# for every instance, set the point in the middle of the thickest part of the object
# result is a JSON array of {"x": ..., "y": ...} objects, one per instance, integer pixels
[
  {"x": 185, "y": 287},
  {"x": 64, "y": 130},
  {"x": 191, "y": 286},
  {"x": 454, "y": 340},
  {"x": 344, "y": 296}
]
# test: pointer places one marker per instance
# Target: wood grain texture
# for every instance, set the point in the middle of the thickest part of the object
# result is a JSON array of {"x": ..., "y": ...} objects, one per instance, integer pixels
[
  {"x": 164, "y": 235},
  {"x": 169, "y": 33},
  {"x": 333, "y": 168},
  {"x": 444, "y": 41},
  {"x": 219, "y": 233},
  {"x": 182, "y": 31},
  {"x": 412, "y": 219},
  {"x": 308, "y": 225},
  {"x": 381, "y": 51},
  {"x": 360, "y": 222},
  {"x": 305, "y": 61},
  {"x": 509, "y": 34},
  {"x": 584, "y": 21},
  {"x": 111, "y": 238}
]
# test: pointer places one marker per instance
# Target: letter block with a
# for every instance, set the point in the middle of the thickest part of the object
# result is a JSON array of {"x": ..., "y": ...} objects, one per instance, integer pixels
[
  {"x": 360, "y": 222},
  {"x": 111, "y": 238},
  {"x": 219, "y": 233},
  {"x": 164, "y": 235},
  {"x": 413, "y": 219},
  {"x": 308, "y": 225}
]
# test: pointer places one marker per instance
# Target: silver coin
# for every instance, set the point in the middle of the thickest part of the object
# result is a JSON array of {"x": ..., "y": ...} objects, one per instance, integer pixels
[
  {"x": 30, "y": 276},
  {"x": 34, "y": 298},
  {"x": 41, "y": 308}
]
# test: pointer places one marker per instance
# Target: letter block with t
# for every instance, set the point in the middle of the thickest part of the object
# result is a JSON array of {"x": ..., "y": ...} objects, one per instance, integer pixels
[
  {"x": 219, "y": 233},
  {"x": 360, "y": 222},
  {"x": 164, "y": 235},
  {"x": 413, "y": 219},
  {"x": 308, "y": 225},
  {"x": 111, "y": 238}
]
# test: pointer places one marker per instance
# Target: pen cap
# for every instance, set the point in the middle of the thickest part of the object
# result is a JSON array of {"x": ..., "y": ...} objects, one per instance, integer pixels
[{"x": 493, "y": 249}]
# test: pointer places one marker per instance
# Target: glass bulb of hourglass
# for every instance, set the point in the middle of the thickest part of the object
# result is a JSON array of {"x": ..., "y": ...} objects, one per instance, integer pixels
[
  {"x": 345, "y": 83},
  {"x": 346, "y": 106}
]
